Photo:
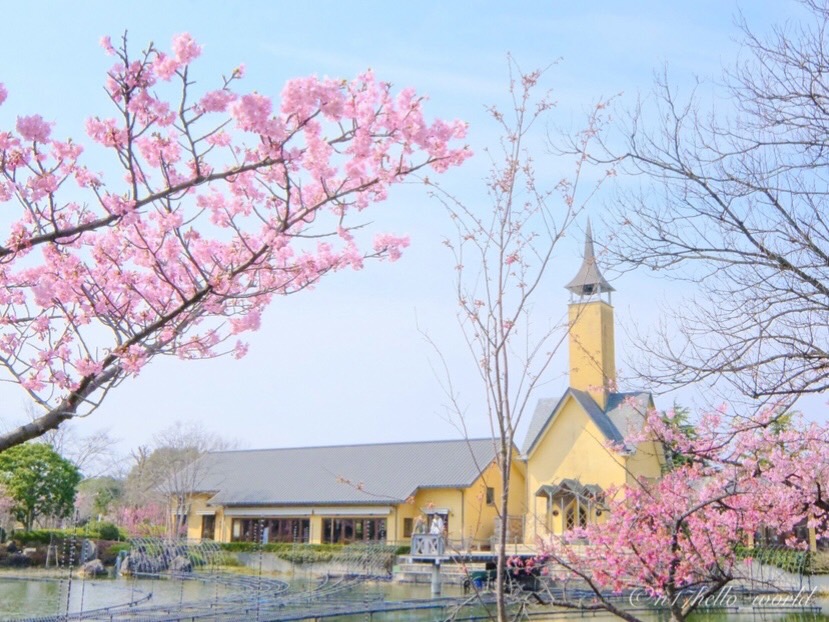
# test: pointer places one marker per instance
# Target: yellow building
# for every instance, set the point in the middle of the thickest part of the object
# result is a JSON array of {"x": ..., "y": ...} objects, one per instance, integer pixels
[
  {"x": 574, "y": 453},
  {"x": 351, "y": 493},
  {"x": 575, "y": 449}
]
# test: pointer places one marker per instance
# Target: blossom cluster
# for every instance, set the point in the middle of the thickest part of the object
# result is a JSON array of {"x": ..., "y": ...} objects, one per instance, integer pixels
[
  {"x": 687, "y": 528},
  {"x": 227, "y": 199}
]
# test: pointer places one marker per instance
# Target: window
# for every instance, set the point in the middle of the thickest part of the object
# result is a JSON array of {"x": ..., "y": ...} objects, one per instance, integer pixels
[
  {"x": 347, "y": 530},
  {"x": 575, "y": 512},
  {"x": 408, "y": 527},
  {"x": 208, "y": 527},
  {"x": 271, "y": 530},
  {"x": 490, "y": 496}
]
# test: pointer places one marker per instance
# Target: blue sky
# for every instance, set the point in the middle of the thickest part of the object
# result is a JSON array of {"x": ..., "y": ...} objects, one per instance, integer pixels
[{"x": 347, "y": 362}]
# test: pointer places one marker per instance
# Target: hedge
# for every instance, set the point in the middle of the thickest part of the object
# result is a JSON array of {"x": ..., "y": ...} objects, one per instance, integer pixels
[
  {"x": 302, "y": 553},
  {"x": 95, "y": 531}
]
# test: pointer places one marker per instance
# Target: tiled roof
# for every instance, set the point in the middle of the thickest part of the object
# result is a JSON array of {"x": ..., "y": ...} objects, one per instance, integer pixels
[{"x": 350, "y": 474}]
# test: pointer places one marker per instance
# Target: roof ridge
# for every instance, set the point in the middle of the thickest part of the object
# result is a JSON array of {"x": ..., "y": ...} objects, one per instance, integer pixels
[{"x": 352, "y": 445}]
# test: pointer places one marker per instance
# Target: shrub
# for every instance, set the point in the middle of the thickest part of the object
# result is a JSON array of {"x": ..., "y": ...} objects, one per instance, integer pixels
[
  {"x": 105, "y": 531},
  {"x": 791, "y": 560},
  {"x": 17, "y": 560},
  {"x": 295, "y": 553},
  {"x": 38, "y": 557},
  {"x": 224, "y": 559},
  {"x": 41, "y": 536},
  {"x": 819, "y": 562},
  {"x": 240, "y": 547},
  {"x": 108, "y": 551}
]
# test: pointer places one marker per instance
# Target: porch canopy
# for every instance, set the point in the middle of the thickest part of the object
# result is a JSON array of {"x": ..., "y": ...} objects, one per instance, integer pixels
[
  {"x": 575, "y": 501},
  {"x": 570, "y": 488}
]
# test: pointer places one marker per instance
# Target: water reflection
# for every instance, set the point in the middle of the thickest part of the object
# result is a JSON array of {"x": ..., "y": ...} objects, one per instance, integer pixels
[{"x": 35, "y": 596}]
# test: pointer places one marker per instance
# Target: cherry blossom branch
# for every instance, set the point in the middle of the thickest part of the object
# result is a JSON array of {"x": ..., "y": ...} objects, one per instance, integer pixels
[{"x": 204, "y": 230}]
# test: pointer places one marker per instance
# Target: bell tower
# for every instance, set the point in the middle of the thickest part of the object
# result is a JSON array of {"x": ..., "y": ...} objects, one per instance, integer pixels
[{"x": 592, "y": 349}]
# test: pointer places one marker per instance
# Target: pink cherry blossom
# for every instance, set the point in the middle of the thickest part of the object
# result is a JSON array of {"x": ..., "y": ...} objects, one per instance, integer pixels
[
  {"x": 252, "y": 112},
  {"x": 217, "y": 101},
  {"x": 106, "y": 43},
  {"x": 732, "y": 477},
  {"x": 34, "y": 128},
  {"x": 182, "y": 250},
  {"x": 165, "y": 67},
  {"x": 391, "y": 244},
  {"x": 185, "y": 49}
]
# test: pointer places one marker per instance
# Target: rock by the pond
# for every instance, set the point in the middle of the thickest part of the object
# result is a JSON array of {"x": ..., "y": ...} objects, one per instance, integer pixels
[
  {"x": 181, "y": 564},
  {"x": 94, "y": 568},
  {"x": 141, "y": 562}
]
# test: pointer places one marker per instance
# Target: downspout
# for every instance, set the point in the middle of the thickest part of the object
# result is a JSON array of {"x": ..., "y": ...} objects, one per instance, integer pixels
[{"x": 463, "y": 516}]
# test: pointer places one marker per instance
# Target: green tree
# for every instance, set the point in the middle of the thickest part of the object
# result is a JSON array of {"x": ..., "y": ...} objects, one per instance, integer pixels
[
  {"x": 39, "y": 482},
  {"x": 679, "y": 419}
]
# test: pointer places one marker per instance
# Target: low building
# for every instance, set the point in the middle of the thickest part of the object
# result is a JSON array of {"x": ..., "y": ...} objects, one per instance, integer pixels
[
  {"x": 574, "y": 453},
  {"x": 350, "y": 493}
]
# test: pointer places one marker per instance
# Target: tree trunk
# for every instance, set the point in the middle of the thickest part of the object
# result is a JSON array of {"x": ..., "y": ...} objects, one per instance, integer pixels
[{"x": 504, "y": 462}]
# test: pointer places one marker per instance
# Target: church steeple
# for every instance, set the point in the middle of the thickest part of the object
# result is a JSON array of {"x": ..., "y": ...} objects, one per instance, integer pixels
[
  {"x": 589, "y": 280},
  {"x": 592, "y": 347}
]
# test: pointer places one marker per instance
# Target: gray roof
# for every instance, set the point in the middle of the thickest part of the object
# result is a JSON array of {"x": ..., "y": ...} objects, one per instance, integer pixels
[
  {"x": 627, "y": 411},
  {"x": 544, "y": 410},
  {"x": 570, "y": 486},
  {"x": 599, "y": 417},
  {"x": 349, "y": 474},
  {"x": 622, "y": 408},
  {"x": 589, "y": 279}
]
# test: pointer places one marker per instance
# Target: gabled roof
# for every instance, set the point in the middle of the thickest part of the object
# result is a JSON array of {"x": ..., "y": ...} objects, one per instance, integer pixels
[
  {"x": 621, "y": 408},
  {"x": 366, "y": 474},
  {"x": 544, "y": 410}
]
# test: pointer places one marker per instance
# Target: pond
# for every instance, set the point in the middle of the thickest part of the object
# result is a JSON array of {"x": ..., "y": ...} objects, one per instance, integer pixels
[
  {"x": 38, "y": 594},
  {"x": 43, "y": 595}
]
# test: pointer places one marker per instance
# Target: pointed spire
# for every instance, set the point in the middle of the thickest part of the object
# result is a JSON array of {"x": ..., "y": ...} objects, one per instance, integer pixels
[{"x": 589, "y": 280}]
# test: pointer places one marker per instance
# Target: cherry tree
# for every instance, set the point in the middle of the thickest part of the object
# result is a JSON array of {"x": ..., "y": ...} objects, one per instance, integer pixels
[
  {"x": 504, "y": 256},
  {"x": 225, "y": 199},
  {"x": 678, "y": 538},
  {"x": 148, "y": 520}
]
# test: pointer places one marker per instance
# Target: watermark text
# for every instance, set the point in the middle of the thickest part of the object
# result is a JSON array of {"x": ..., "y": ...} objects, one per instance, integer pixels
[{"x": 704, "y": 599}]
